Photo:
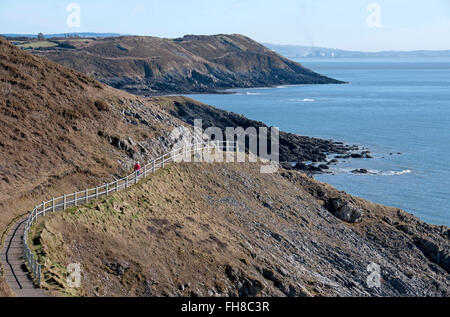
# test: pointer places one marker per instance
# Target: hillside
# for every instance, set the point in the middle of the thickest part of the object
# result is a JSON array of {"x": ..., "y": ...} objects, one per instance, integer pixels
[
  {"x": 61, "y": 130},
  {"x": 152, "y": 66},
  {"x": 228, "y": 230}
]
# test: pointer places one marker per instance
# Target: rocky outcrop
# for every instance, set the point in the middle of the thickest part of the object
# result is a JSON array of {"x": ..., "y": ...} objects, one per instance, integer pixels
[
  {"x": 362, "y": 155},
  {"x": 293, "y": 147},
  {"x": 360, "y": 171},
  {"x": 434, "y": 252},
  {"x": 246, "y": 287},
  {"x": 345, "y": 210},
  {"x": 431, "y": 241}
]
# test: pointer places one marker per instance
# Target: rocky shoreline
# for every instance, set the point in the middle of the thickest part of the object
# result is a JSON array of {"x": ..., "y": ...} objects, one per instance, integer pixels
[
  {"x": 324, "y": 163},
  {"x": 297, "y": 152}
]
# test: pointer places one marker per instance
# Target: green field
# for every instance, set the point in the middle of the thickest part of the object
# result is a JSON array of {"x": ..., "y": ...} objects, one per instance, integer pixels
[{"x": 38, "y": 44}]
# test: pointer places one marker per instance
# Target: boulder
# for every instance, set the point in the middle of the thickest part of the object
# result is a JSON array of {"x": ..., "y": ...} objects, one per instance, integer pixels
[
  {"x": 349, "y": 213},
  {"x": 345, "y": 211},
  {"x": 360, "y": 171},
  {"x": 301, "y": 166},
  {"x": 310, "y": 168}
]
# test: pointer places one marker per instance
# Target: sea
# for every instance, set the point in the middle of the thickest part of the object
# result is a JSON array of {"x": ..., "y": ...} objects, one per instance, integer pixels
[{"x": 397, "y": 108}]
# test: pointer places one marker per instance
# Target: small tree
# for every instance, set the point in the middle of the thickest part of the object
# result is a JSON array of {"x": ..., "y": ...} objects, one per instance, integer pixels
[{"x": 41, "y": 37}]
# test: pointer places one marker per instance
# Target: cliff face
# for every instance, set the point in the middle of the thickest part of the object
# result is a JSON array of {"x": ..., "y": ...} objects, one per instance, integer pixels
[
  {"x": 149, "y": 66},
  {"x": 228, "y": 230}
]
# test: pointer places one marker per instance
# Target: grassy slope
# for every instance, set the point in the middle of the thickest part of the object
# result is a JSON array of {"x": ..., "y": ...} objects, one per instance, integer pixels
[
  {"x": 226, "y": 229},
  {"x": 50, "y": 119}
]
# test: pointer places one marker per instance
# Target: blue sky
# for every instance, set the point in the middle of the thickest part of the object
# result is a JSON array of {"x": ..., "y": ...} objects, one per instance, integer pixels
[{"x": 404, "y": 24}]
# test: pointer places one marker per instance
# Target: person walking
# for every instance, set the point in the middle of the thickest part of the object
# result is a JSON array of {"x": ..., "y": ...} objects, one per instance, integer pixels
[{"x": 137, "y": 168}]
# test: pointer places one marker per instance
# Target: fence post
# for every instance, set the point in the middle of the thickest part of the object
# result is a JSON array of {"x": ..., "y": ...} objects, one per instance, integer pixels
[
  {"x": 145, "y": 171},
  {"x": 35, "y": 268},
  {"x": 75, "y": 198},
  {"x": 96, "y": 192},
  {"x": 53, "y": 204},
  {"x": 126, "y": 182},
  {"x": 117, "y": 186},
  {"x": 39, "y": 275},
  {"x": 65, "y": 202},
  {"x": 86, "y": 197},
  {"x": 43, "y": 209},
  {"x": 136, "y": 174},
  {"x": 107, "y": 189}
]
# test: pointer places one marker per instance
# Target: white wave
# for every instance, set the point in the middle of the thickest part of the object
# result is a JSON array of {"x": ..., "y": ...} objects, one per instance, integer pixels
[
  {"x": 373, "y": 172},
  {"x": 303, "y": 100},
  {"x": 393, "y": 173},
  {"x": 253, "y": 93}
]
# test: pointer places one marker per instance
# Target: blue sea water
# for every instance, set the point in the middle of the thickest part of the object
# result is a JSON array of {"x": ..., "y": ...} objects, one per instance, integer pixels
[{"x": 391, "y": 106}]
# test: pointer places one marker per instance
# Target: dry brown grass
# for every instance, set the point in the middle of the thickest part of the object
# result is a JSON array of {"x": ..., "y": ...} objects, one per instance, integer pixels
[
  {"x": 5, "y": 291},
  {"x": 172, "y": 230},
  {"x": 184, "y": 230},
  {"x": 50, "y": 119}
]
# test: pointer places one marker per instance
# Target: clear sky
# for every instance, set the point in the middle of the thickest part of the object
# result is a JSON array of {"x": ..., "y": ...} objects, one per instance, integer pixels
[{"x": 345, "y": 24}]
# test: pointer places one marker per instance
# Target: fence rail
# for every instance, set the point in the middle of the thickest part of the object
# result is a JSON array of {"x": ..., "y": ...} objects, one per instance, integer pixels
[{"x": 83, "y": 197}]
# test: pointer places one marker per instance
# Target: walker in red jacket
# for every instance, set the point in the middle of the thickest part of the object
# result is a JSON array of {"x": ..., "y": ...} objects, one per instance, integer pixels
[{"x": 137, "y": 167}]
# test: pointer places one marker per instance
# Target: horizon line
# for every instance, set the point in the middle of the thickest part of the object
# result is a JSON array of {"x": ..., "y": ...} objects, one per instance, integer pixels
[{"x": 115, "y": 34}]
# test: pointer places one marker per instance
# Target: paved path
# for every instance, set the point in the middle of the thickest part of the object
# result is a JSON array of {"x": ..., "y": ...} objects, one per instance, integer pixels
[{"x": 16, "y": 274}]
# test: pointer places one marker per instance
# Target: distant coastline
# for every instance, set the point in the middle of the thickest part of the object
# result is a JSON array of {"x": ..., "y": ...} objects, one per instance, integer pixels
[{"x": 298, "y": 51}]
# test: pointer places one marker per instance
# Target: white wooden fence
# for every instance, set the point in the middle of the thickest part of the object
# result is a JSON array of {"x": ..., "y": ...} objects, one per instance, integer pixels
[{"x": 83, "y": 197}]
